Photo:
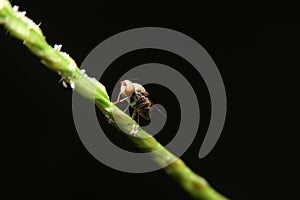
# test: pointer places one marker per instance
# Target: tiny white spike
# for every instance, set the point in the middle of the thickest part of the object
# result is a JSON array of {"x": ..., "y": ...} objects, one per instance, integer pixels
[
  {"x": 31, "y": 25},
  {"x": 82, "y": 71},
  {"x": 64, "y": 83},
  {"x": 134, "y": 130},
  {"x": 57, "y": 47},
  {"x": 64, "y": 53},
  {"x": 72, "y": 66},
  {"x": 15, "y": 8},
  {"x": 21, "y": 14},
  {"x": 72, "y": 84}
]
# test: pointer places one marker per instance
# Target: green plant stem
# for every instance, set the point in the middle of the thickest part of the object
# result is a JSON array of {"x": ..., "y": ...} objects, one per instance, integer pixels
[{"x": 21, "y": 27}]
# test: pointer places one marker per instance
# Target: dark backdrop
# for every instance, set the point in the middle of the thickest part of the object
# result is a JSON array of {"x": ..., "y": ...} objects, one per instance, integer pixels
[{"x": 40, "y": 148}]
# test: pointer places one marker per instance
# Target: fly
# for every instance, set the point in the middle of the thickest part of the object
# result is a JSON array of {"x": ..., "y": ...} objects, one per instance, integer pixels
[{"x": 137, "y": 98}]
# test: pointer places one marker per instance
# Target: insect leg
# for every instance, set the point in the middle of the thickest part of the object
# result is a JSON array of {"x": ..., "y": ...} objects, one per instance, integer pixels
[
  {"x": 119, "y": 96},
  {"x": 119, "y": 101},
  {"x": 126, "y": 108},
  {"x": 133, "y": 115},
  {"x": 141, "y": 104},
  {"x": 123, "y": 99}
]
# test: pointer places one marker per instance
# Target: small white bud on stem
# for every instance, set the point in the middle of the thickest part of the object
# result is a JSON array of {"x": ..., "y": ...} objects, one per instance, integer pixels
[{"x": 57, "y": 47}]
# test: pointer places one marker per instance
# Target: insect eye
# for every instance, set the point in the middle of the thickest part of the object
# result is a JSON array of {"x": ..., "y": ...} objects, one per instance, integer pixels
[{"x": 129, "y": 90}]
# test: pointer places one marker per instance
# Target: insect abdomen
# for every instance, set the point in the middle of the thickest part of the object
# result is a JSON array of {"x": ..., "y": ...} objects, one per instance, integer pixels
[{"x": 141, "y": 104}]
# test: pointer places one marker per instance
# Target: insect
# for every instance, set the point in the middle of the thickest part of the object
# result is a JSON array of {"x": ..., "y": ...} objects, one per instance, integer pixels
[{"x": 137, "y": 98}]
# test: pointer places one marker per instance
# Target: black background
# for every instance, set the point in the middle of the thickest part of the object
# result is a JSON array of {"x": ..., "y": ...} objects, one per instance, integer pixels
[{"x": 255, "y": 52}]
